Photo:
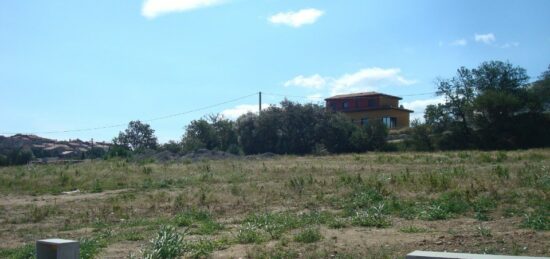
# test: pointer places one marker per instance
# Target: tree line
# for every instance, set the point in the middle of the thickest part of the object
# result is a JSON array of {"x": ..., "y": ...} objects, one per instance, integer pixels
[
  {"x": 492, "y": 106},
  {"x": 290, "y": 128},
  {"x": 489, "y": 107}
]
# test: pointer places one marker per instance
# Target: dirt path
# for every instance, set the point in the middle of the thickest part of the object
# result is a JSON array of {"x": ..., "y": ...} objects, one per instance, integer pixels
[{"x": 10, "y": 200}]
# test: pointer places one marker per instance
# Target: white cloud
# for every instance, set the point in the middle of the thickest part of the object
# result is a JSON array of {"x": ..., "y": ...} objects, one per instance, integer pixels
[
  {"x": 459, "y": 42},
  {"x": 235, "y": 112},
  {"x": 315, "y": 97},
  {"x": 153, "y": 8},
  {"x": 485, "y": 38},
  {"x": 297, "y": 19},
  {"x": 315, "y": 81},
  {"x": 510, "y": 45},
  {"x": 369, "y": 79},
  {"x": 419, "y": 106}
]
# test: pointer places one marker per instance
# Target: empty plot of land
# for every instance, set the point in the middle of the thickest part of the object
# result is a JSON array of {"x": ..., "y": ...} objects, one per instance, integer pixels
[{"x": 364, "y": 205}]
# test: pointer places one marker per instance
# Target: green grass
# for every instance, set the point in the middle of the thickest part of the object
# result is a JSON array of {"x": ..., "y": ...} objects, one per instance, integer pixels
[
  {"x": 308, "y": 235},
  {"x": 199, "y": 222},
  {"x": 23, "y": 252}
]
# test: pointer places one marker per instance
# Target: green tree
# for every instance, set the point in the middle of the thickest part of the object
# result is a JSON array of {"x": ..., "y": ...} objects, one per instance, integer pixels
[
  {"x": 199, "y": 134},
  {"x": 491, "y": 107},
  {"x": 137, "y": 137},
  {"x": 420, "y": 137},
  {"x": 377, "y": 134},
  {"x": 213, "y": 132}
]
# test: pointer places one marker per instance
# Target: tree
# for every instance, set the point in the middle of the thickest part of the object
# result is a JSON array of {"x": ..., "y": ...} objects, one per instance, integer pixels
[
  {"x": 459, "y": 93},
  {"x": 490, "y": 107},
  {"x": 137, "y": 137},
  {"x": 335, "y": 132},
  {"x": 502, "y": 95},
  {"x": 214, "y": 132},
  {"x": 377, "y": 134}
]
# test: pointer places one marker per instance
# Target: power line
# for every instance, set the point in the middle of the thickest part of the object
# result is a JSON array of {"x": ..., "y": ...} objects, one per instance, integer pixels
[
  {"x": 319, "y": 97},
  {"x": 148, "y": 120},
  {"x": 186, "y": 112}
]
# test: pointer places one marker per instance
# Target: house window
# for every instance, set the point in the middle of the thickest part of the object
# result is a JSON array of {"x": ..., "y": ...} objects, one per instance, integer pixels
[
  {"x": 390, "y": 122},
  {"x": 345, "y": 105},
  {"x": 364, "y": 121}
]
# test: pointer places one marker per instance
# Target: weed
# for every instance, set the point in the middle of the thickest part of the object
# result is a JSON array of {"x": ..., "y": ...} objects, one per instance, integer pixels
[
  {"x": 96, "y": 187},
  {"x": 437, "y": 181},
  {"x": 90, "y": 247},
  {"x": 38, "y": 214},
  {"x": 167, "y": 244},
  {"x": 133, "y": 236},
  {"x": 484, "y": 231},
  {"x": 435, "y": 212},
  {"x": 454, "y": 202},
  {"x": 297, "y": 184},
  {"x": 485, "y": 158},
  {"x": 482, "y": 206},
  {"x": 202, "y": 248},
  {"x": 501, "y": 172},
  {"x": 248, "y": 234},
  {"x": 200, "y": 222},
  {"x": 501, "y": 156},
  {"x": 147, "y": 170},
  {"x": 538, "y": 220},
  {"x": 308, "y": 235},
  {"x": 373, "y": 217},
  {"x": 363, "y": 198},
  {"x": 337, "y": 223}
]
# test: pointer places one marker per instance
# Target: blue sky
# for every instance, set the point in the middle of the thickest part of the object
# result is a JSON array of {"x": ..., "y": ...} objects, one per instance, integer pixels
[{"x": 68, "y": 65}]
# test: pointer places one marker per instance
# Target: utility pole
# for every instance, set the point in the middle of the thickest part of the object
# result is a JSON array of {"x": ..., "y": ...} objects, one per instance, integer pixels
[{"x": 260, "y": 102}]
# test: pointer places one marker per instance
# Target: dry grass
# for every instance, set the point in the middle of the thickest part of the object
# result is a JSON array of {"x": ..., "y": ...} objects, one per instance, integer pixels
[{"x": 376, "y": 204}]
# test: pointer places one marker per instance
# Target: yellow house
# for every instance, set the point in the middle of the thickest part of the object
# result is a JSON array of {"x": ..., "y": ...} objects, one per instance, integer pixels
[{"x": 369, "y": 106}]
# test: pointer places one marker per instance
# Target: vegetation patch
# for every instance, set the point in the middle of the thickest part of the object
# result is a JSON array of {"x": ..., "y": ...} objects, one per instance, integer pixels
[{"x": 308, "y": 235}]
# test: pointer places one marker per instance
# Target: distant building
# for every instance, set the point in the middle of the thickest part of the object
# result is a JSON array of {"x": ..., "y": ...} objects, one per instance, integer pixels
[{"x": 370, "y": 106}]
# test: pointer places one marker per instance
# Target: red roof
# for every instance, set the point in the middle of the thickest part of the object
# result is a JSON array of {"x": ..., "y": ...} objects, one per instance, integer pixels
[{"x": 364, "y": 94}]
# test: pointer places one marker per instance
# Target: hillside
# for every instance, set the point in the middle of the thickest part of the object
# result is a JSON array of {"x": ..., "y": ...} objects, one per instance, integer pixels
[{"x": 44, "y": 147}]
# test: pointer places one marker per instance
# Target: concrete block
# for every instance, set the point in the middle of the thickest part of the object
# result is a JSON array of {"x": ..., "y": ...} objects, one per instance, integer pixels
[
  {"x": 444, "y": 255},
  {"x": 57, "y": 249}
]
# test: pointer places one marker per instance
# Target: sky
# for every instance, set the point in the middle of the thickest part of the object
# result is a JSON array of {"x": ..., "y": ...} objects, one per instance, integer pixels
[{"x": 84, "y": 69}]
